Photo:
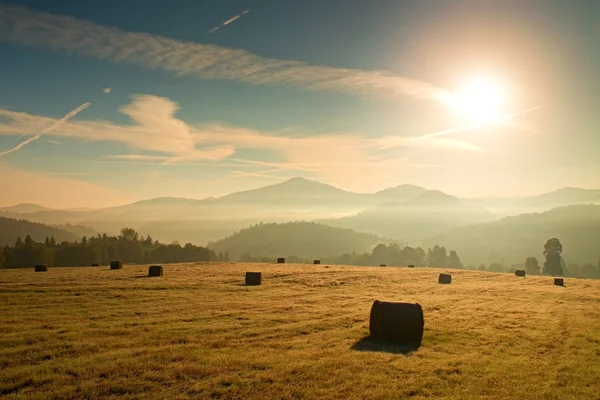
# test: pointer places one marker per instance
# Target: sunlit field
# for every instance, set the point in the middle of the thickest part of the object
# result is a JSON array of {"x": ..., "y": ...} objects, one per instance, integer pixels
[{"x": 199, "y": 332}]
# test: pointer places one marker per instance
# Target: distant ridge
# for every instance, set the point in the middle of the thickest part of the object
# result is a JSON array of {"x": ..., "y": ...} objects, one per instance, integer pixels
[{"x": 24, "y": 208}]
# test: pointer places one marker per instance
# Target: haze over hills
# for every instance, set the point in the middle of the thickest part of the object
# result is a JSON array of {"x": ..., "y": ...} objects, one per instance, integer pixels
[
  {"x": 410, "y": 221},
  {"x": 558, "y": 198},
  {"x": 23, "y": 208},
  {"x": 406, "y": 213},
  {"x": 512, "y": 239}
]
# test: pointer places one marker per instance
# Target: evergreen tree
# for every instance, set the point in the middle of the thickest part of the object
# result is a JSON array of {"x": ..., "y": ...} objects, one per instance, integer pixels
[
  {"x": 532, "y": 267},
  {"x": 454, "y": 260},
  {"x": 552, "y": 252},
  {"x": 437, "y": 257}
]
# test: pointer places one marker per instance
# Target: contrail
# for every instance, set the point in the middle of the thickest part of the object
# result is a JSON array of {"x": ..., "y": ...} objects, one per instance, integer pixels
[
  {"x": 476, "y": 126},
  {"x": 230, "y": 20},
  {"x": 49, "y": 129},
  {"x": 404, "y": 140}
]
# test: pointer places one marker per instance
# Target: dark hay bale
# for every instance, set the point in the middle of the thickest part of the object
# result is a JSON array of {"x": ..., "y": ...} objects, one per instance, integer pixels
[
  {"x": 41, "y": 268},
  {"x": 411, "y": 266},
  {"x": 155, "y": 270},
  {"x": 520, "y": 272},
  {"x": 316, "y": 262},
  {"x": 398, "y": 322},
  {"x": 559, "y": 282},
  {"x": 281, "y": 260},
  {"x": 253, "y": 278},
  {"x": 382, "y": 265},
  {"x": 445, "y": 279},
  {"x": 116, "y": 265},
  {"x": 95, "y": 265}
]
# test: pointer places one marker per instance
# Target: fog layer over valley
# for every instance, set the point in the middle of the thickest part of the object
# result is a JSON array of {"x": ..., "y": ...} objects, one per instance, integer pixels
[{"x": 478, "y": 229}]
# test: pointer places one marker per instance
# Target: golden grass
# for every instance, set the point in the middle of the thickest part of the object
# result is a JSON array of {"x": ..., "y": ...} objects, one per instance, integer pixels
[{"x": 198, "y": 332}]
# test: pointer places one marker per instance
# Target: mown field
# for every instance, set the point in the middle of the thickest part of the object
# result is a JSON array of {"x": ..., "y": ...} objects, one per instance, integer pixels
[{"x": 198, "y": 332}]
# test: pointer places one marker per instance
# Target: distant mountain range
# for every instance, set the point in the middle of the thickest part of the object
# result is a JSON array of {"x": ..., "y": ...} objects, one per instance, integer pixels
[
  {"x": 423, "y": 215},
  {"x": 405, "y": 212}
]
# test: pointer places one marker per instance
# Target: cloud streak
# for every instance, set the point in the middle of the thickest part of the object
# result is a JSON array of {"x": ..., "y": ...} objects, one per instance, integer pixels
[
  {"x": 28, "y": 27},
  {"x": 433, "y": 139},
  {"x": 230, "y": 20},
  {"x": 52, "y": 127}
]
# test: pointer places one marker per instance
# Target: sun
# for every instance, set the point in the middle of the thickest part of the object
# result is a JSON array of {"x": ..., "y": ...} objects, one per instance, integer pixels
[{"x": 480, "y": 98}]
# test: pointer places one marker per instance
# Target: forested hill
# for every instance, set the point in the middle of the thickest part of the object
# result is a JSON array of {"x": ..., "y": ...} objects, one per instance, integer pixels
[
  {"x": 302, "y": 239},
  {"x": 10, "y": 229},
  {"x": 514, "y": 238}
]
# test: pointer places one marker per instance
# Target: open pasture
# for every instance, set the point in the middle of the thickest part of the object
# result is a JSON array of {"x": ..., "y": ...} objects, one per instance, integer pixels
[{"x": 199, "y": 332}]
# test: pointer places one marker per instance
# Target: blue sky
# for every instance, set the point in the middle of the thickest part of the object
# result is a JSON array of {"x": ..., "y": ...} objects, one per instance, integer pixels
[{"x": 335, "y": 91}]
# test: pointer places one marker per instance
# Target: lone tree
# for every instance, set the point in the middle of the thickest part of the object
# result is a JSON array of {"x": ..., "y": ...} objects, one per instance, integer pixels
[
  {"x": 454, "y": 260},
  {"x": 532, "y": 266},
  {"x": 553, "y": 263}
]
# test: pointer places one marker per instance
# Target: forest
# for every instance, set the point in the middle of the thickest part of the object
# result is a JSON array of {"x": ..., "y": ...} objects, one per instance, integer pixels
[{"x": 128, "y": 247}]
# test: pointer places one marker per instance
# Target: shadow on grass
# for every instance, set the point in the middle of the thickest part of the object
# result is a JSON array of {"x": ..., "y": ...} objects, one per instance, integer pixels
[{"x": 369, "y": 344}]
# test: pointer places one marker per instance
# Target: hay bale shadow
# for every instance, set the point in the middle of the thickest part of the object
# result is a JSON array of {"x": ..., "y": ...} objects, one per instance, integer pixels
[{"x": 369, "y": 344}]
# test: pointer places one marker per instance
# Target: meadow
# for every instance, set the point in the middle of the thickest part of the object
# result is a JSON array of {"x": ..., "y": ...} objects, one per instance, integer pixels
[{"x": 199, "y": 332}]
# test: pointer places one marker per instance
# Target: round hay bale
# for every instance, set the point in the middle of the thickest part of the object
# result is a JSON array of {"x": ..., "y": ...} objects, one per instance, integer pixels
[
  {"x": 41, "y": 268},
  {"x": 155, "y": 270},
  {"x": 316, "y": 262},
  {"x": 520, "y": 272},
  {"x": 253, "y": 278},
  {"x": 281, "y": 260},
  {"x": 382, "y": 265},
  {"x": 398, "y": 322},
  {"x": 116, "y": 265},
  {"x": 95, "y": 265},
  {"x": 445, "y": 279},
  {"x": 559, "y": 282}
]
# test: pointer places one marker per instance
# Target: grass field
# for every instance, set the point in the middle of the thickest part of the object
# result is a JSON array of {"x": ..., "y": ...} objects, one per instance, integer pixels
[{"x": 198, "y": 332}]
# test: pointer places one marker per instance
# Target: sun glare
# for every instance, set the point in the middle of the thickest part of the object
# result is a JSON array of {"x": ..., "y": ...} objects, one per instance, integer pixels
[{"x": 480, "y": 99}]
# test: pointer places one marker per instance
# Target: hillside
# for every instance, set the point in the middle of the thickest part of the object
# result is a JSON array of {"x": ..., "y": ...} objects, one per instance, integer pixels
[
  {"x": 543, "y": 202},
  {"x": 78, "y": 230},
  {"x": 514, "y": 238},
  {"x": 400, "y": 193},
  {"x": 429, "y": 213},
  {"x": 11, "y": 228},
  {"x": 23, "y": 208},
  {"x": 302, "y": 239},
  {"x": 198, "y": 332}
]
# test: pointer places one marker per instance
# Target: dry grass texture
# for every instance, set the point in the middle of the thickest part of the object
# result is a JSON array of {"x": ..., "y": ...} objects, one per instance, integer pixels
[{"x": 199, "y": 332}]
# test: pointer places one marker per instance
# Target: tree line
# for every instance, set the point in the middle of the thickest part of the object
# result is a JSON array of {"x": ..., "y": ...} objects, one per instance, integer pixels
[
  {"x": 388, "y": 254},
  {"x": 129, "y": 247}
]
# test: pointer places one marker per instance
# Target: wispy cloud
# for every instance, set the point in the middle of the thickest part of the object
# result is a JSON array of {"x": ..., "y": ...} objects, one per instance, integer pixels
[
  {"x": 157, "y": 136},
  {"x": 56, "y": 142},
  {"x": 62, "y": 33}
]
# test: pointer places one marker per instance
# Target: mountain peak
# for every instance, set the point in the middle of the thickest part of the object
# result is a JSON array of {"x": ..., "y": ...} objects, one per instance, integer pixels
[{"x": 24, "y": 208}]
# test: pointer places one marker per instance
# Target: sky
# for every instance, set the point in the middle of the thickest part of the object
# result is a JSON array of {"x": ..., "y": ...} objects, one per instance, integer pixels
[{"x": 105, "y": 103}]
